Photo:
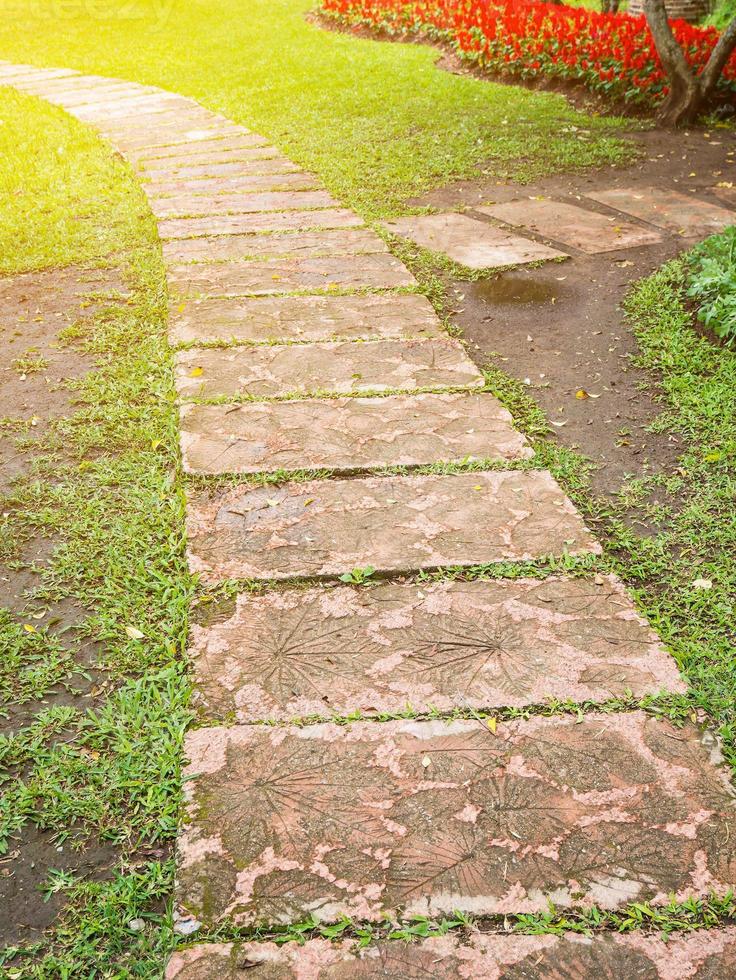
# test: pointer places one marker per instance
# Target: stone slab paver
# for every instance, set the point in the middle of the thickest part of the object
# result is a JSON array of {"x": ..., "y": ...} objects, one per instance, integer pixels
[
  {"x": 170, "y": 188},
  {"x": 474, "y": 244},
  {"x": 259, "y": 161},
  {"x": 303, "y": 318},
  {"x": 238, "y": 224},
  {"x": 327, "y": 242},
  {"x": 396, "y": 524},
  {"x": 186, "y": 205},
  {"x": 588, "y": 231},
  {"x": 215, "y": 147},
  {"x": 431, "y": 817},
  {"x": 269, "y": 277},
  {"x": 665, "y": 208},
  {"x": 337, "y": 367},
  {"x": 347, "y": 434},
  {"x": 708, "y": 954},
  {"x": 485, "y": 644}
]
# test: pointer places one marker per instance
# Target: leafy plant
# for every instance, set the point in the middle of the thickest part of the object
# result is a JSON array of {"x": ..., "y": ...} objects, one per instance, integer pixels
[
  {"x": 713, "y": 284},
  {"x": 358, "y": 576}
]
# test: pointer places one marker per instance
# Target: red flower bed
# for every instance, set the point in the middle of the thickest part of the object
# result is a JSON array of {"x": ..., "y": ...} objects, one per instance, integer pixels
[{"x": 609, "y": 53}]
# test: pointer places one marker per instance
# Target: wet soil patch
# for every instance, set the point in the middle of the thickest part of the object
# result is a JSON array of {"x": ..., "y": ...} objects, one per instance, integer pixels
[
  {"x": 559, "y": 328},
  {"x": 37, "y": 363},
  {"x": 25, "y": 870}
]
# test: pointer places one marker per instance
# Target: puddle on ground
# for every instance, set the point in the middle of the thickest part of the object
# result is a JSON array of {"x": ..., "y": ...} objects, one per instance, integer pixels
[{"x": 516, "y": 289}]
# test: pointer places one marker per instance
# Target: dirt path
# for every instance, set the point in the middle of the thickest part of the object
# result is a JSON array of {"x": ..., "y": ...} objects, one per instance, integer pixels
[{"x": 381, "y": 818}]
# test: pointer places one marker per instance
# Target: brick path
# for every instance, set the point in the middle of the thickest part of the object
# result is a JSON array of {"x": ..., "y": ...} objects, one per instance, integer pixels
[{"x": 313, "y": 320}]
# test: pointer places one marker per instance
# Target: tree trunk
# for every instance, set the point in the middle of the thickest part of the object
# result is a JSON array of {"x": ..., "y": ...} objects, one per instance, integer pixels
[
  {"x": 689, "y": 93},
  {"x": 610, "y": 6}
]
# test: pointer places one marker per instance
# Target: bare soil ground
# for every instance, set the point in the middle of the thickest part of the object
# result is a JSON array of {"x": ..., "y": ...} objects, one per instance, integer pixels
[{"x": 559, "y": 328}]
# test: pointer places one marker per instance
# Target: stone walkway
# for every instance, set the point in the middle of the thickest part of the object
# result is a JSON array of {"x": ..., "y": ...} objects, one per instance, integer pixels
[{"x": 301, "y": 348}]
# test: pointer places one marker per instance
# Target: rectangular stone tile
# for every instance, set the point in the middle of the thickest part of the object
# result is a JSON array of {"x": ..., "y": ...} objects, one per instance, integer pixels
[
  {"x": 486, "y": 644},
  {"x": 122, "y": 108},
  {"x": 246, "y": 184},
  {"x": 328, "y": 242},
  {"x": 180, "y": 133},
  {"x": 19, "y": 75},
  {"x": 238, "y": 224},
  {"x": 588, "y": 231},
  {"x": 708, "y": 954},
  {"x": 337, "y": 367},
  {"x": 474, "y": 244},
  {"x": 79, "y": 95},
  {"x": 192, "y": 205},
  {"x": 303, "y": 318},
  {"x": 263, "y": 162},
  {"x": 270, "y": 277},
  {"x": 323, "y": 528},
  {"x": 347, "y": 434},
  {"x": 435, "y": 817},
  {"x": 665, "y": 208},
  {"x": 215, "y": 145}
]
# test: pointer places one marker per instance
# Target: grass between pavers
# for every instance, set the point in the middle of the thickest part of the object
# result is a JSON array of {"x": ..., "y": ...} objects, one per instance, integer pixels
[
  {"x": 377, "y": 122},
  {"x": 108, "y": 777},
  {"x": 105, "y": 492}
]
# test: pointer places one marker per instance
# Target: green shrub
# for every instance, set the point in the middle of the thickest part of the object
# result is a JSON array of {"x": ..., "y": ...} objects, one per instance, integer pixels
[{"x": 713, "y": 283}]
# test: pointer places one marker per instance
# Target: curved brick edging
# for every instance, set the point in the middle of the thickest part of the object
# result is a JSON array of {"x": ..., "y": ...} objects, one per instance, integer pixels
[{"x": 428, "y": 815}]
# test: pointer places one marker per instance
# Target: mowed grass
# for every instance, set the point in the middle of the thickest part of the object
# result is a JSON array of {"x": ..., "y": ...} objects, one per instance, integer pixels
[
  {"x": 378, "y": 122},
  {"x": 103, "y": 490},
  {"x": 64, "y": 197}
]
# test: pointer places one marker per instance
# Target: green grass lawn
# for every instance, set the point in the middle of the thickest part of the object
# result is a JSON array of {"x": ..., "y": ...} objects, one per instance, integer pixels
[
  {"x": 104, "y": 490},
  {"x": 378, "y": 122}
]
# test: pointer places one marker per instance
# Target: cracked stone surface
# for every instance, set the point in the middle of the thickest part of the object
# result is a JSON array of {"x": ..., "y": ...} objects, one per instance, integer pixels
[
  {"x": 324, "y": 651},
  {"x": 238, "y": 224},
  {"x": 204, "y": 150},
  {"x": 201, "y": 204},
  {"x": 304, "y": 318},
  {"x": 347, "y": 434},
  {"x": 680, "y": 213},
  {"x": 432, "y": 817},
  {"x": 263, "y": 161},
  {"x": 327, "y": 527},
  {"x": 340, "y": 367},
  {"x": 474, "y": 244},
  {"x": 588, "y": 231},
  {"x": 168, "y": 188},
  {"x": 706, "y": 955},
  {"x": 285, "y": 275},
  {"x": 218, "y": 248}
]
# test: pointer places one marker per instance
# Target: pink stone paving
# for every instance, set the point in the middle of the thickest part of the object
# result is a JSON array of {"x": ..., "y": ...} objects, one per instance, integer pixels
[
  {"x": 588, "y": 231},
  {"x": 347, "y": 434},
  {"x": 259, "y": 161},
  {"x": 303, "y": 318},
  {"x": 703, "y": 955},
  {"x": 268, "y": 277},
  {"x": 683, "y": 214},
  {"x": 169, "y": 189},
  {"x": 327, "y": 527},
  {"x": 474, "y": 244},
  {"x": 405, "y": 816},
  {"x": 238, "y": 224},
  {"x": 433, "y": 817},
  {"x": 339, "y": 367},
  {"x": 327, "y": 242},
  {"x": 334, "y": 651},
  {"x": 186, "y": 205}
]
